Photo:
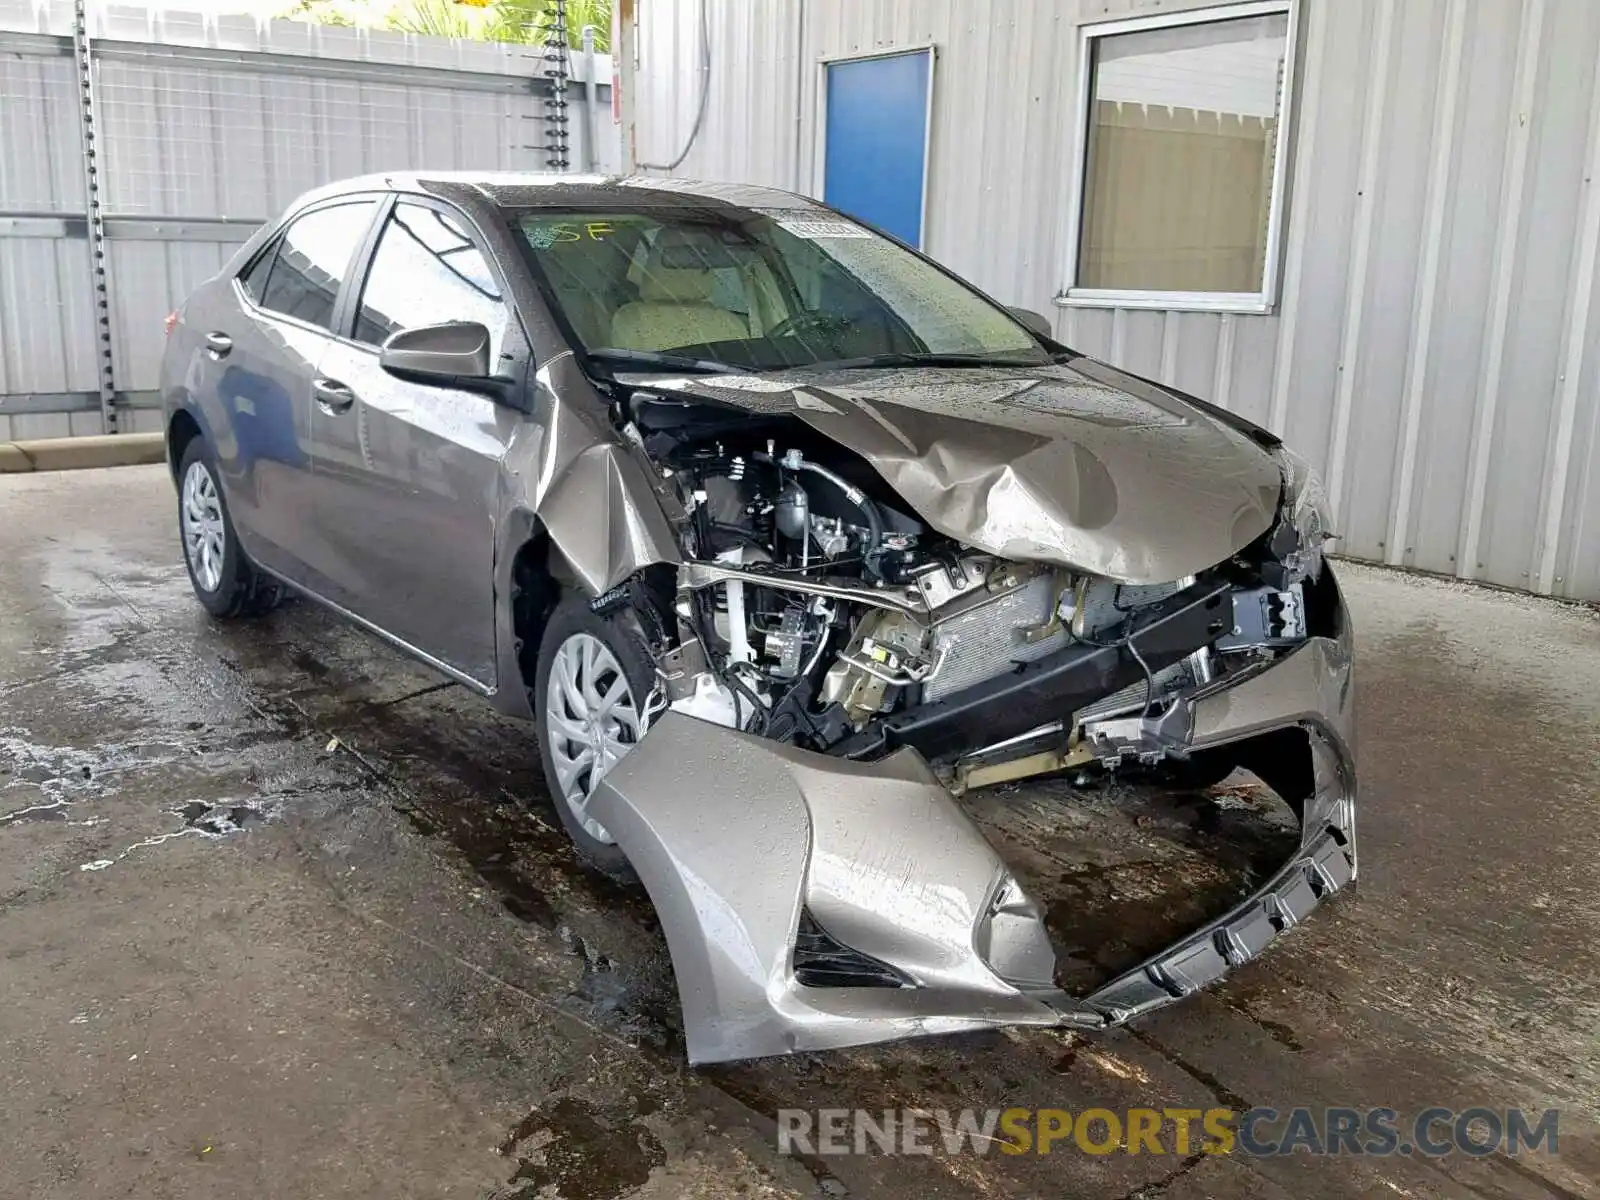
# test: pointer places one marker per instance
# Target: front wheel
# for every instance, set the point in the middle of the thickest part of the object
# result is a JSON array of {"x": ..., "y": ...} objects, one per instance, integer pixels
[
  {"x": 224, "y": 580},
  {"x": 593, "y": 679}
]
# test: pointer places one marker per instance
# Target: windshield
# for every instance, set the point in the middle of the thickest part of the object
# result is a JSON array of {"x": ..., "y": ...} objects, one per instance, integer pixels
[{"x": 746, "y": 288}]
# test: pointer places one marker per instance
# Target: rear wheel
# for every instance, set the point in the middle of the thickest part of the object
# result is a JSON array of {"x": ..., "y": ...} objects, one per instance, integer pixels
[
  {"x": 224, "y": 580},
  {"x": 593, "y": 679}
]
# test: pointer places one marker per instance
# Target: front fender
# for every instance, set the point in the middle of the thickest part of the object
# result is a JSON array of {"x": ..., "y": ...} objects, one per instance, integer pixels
[{"x": 604, "y": 518}]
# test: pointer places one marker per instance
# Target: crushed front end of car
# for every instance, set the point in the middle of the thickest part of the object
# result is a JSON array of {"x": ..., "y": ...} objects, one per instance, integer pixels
[{"x": 882, "y": 607}]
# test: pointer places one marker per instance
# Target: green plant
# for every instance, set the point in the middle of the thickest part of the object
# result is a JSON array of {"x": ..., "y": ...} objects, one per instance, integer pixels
[
  {"x": 532, "y": 21},
  {"x": 443, "y": 18},
  {"x": 528, "y": 22}
]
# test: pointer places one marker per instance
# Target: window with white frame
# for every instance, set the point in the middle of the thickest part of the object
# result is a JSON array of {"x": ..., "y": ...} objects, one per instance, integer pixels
[{"x": 1180, "y": 187}]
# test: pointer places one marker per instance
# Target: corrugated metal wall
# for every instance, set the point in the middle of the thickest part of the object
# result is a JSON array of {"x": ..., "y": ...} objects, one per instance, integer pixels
[
  {"x": 1434, "y": 347},
  {"x": 208, "y": 126}
]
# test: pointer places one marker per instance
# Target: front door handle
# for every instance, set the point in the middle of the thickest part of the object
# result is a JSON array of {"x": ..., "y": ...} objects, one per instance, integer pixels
[
  {"x": 218, "y": 344},
  {"x": 332, "y": 396}
]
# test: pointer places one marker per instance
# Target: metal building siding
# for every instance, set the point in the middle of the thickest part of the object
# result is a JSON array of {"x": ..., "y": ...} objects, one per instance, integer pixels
[
  {"x": 46, "y": 342},
  {"x": 220, "y": 120},
  {"x": 40, "y": 167},
  {"x": 1436, "y": 343}
]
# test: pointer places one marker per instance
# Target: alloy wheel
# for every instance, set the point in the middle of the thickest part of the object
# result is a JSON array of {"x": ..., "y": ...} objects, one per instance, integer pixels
[
  {"x": 204, "y": 535},
  {"x": 591, "y": 720}
]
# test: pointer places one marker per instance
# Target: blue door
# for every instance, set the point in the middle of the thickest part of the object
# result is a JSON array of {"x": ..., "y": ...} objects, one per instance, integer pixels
[{"x": 876, "y": 148}]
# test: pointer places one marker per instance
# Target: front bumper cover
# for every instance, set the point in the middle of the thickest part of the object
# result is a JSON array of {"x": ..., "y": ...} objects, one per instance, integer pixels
[{"x": 735, "y": 838}]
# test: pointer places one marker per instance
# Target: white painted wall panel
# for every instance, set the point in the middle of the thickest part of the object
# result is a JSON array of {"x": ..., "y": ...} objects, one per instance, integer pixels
[{"x": 1444, "y": 162}]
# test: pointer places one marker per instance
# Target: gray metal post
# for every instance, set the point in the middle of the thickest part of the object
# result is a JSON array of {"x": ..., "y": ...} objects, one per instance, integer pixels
[
  {"x": 557, "y": 73},
  {"x": 591, "y": 157},
  {"x": 84, "y": 60}
]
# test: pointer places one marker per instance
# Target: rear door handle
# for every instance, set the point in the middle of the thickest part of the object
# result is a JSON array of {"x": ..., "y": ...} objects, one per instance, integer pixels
[
  {"x": 332, "y": 396},
  {"x": 218, "y": 344}
]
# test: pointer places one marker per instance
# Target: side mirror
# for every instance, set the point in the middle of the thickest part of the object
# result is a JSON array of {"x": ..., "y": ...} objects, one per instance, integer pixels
[
  {"x": 456, "y": 353},
  {"x": 1034, "y": 322}
]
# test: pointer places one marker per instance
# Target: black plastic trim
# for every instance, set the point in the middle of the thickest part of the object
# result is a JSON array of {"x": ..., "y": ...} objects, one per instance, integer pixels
[{"x": 821, "y": 960}]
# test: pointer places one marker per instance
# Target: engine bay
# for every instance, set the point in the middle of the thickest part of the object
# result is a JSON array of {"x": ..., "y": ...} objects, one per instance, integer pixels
[{"x": 815, "y": 609}]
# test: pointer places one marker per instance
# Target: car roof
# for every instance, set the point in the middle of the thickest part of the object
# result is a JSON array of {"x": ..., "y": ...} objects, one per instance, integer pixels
[{"x": 533, "y": 189}]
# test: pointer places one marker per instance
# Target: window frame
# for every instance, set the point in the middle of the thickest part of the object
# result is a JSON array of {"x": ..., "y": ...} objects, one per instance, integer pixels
[
  {"x": 350, "y": 307},
  {"x": 267, "y": 254},
  {"x": 1258, "y": 302},
  {"x": 275, "y": 242}
]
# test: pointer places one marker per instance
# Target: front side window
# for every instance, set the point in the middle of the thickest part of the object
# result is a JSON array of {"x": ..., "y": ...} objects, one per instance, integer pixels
[
  {"x": 757, "y": 288},
  {"x": 1181, "y": 187},
  {"x": 312, "y": 260},
  {"x": 426, "y": 271}
]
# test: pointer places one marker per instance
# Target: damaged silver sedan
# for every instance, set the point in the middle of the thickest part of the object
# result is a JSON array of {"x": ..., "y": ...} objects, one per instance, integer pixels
[{"x": 788, "y": 540}]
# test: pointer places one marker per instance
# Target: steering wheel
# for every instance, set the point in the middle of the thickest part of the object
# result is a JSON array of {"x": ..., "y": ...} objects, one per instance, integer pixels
[{"x": 807, "y": 321}]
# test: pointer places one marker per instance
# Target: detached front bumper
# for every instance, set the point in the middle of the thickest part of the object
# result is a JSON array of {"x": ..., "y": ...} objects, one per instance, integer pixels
[{"x": 742, "y": 842}]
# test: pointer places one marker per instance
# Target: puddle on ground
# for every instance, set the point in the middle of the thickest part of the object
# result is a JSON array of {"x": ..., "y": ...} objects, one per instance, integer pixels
[
  {"x": 200, "y": 819},
  {"x": 41, "y": 782},
  {"x": 581, "y": 1151}
]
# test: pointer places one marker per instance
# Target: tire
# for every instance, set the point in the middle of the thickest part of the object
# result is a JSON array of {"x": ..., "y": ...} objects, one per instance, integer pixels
[
  {"x": 225, "y": 582},
  {"x": 611, "y": 649}
]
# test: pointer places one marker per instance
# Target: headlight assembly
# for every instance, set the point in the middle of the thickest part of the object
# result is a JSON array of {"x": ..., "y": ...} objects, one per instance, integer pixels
[{"x": 1305, "y": 506}]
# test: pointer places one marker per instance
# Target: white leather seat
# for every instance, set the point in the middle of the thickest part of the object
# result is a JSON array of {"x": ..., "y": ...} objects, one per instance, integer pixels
[{"x": 673, "y": 310}]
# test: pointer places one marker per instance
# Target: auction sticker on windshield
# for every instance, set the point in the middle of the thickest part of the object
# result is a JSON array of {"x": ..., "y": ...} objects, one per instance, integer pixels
[{"x": 825, "y": 228}]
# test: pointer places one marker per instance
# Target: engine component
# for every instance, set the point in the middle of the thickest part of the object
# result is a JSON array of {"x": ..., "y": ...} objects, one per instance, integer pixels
[
  {"x": 888, "y": 651},
  {"x": 942, "y": 581},
  {"x": 1098, "y": 605},
  {"x": 710, "y": 701},
  {"x": 992, "y": 634},
  {"x": 696, "y": 575},
  {"x": 736, "y": 630},
  {"x": 829, "y": 535},
  {"x": 1192, "y": 672},
  {"x": 1062, "y": 682},
  {"x": 793, "y": 511},
  {"x": 794, "y": 460},
  {"x": 787, "y": 642}
]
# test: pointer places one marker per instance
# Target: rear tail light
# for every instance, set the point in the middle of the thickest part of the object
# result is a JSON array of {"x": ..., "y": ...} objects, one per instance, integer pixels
[{"x": 170, "y": 322}]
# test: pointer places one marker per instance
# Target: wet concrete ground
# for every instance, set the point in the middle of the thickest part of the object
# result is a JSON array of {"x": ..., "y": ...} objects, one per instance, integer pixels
[{"x": 283, "y": 915}]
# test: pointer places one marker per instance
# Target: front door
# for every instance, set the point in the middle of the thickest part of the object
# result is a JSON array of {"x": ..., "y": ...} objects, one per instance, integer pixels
[
  {"x": 408, "y": 473},
  {"x": 875, "y": 158}
]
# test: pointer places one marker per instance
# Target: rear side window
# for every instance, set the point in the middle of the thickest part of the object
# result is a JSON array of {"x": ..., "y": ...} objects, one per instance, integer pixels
[
  {"x": 426, "y": 271},
  {"x": 312, "y": 260}
]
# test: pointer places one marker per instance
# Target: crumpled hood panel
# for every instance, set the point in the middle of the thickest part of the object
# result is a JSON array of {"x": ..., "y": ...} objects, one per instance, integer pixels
[{"x": 1078, "y": 464}]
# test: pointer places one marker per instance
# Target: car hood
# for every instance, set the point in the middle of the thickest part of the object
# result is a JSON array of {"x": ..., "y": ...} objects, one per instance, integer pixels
[{"x": 1077, "y": 464}]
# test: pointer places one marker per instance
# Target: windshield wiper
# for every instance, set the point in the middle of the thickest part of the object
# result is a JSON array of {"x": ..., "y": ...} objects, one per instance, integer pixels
[
  {"x": 675, "y": 362},
  {"x": 901, "y": 358}
]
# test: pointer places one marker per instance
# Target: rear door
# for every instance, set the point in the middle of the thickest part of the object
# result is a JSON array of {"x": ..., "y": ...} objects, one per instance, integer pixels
[
  {"x": 407, "y": 487},
  {"x": 260, "y": 354}
]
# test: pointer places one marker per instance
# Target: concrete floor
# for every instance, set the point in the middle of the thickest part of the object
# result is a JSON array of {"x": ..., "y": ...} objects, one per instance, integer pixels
[{"x": 283, "y": 915}]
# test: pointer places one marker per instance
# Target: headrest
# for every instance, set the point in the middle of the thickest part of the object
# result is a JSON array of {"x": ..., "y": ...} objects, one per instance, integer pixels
[
  {"x": 665, "y": 285},
  {"x": 698, "y": 248}
]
